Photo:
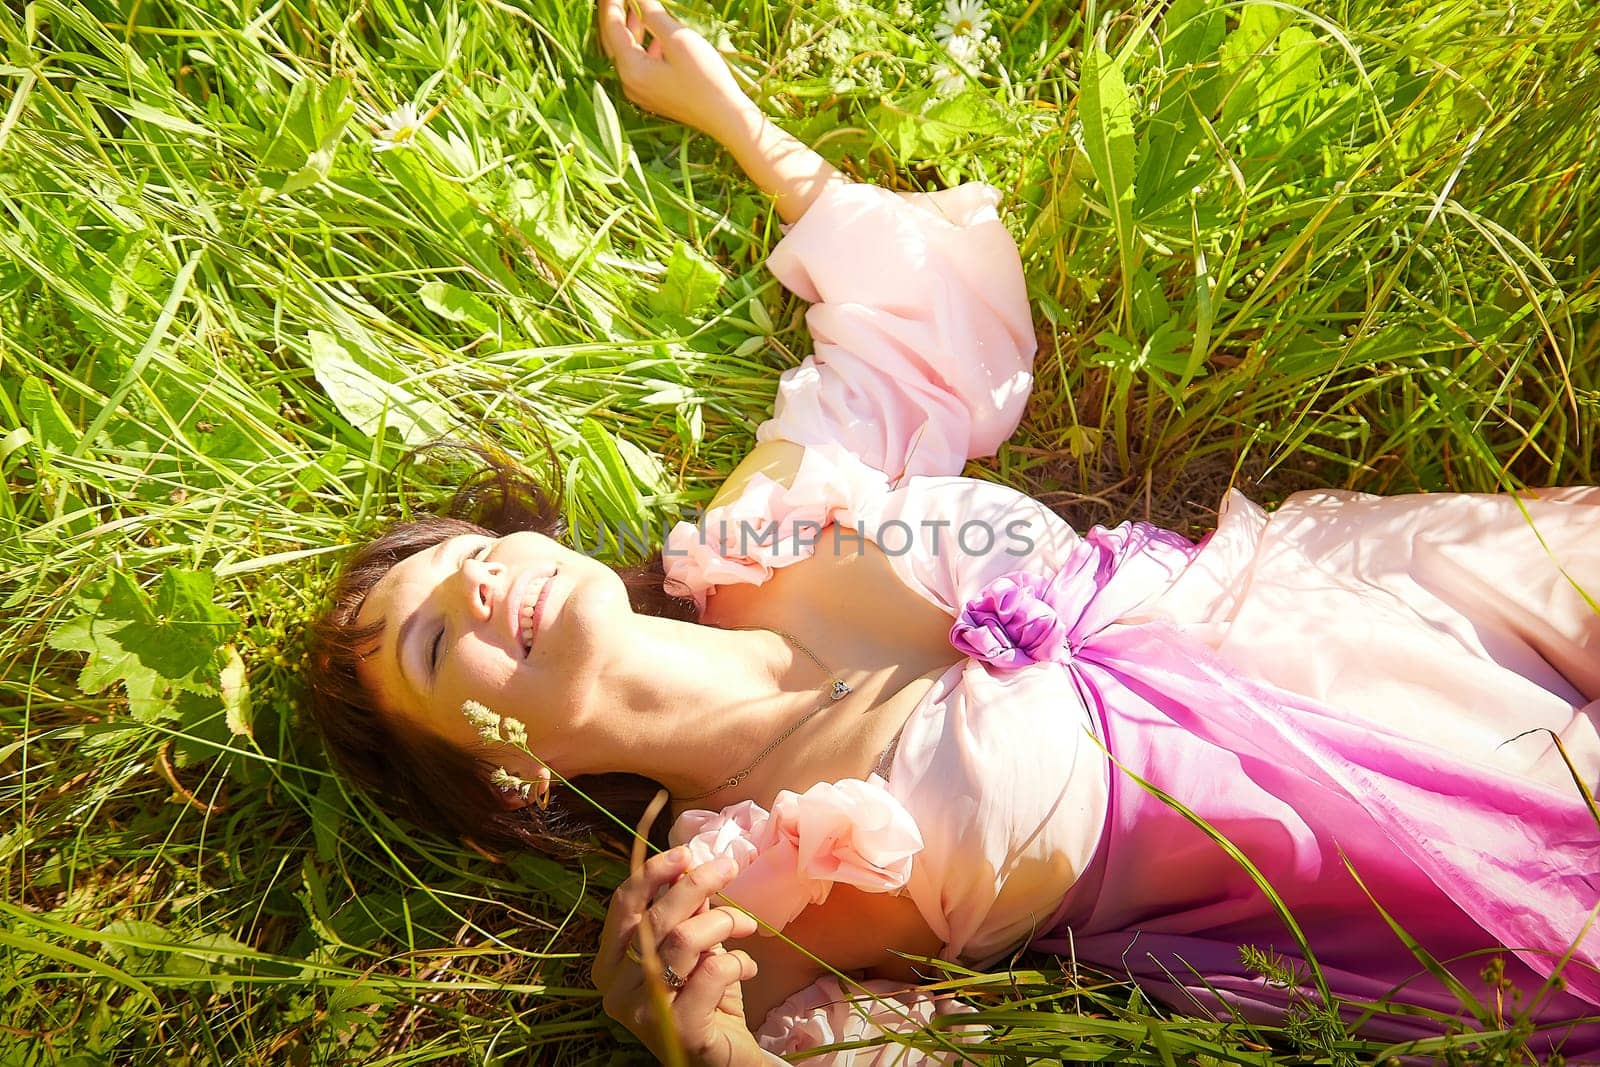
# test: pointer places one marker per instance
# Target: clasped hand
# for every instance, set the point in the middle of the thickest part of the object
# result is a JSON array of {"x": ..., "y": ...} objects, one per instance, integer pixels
[{"x": 707, "y": 1009}]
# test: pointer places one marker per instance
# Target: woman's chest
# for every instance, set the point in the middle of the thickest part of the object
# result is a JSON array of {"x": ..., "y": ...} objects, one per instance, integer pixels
[{"x": 846, "y": 605}]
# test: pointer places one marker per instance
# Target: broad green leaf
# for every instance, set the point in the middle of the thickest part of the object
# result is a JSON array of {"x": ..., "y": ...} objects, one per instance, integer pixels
[
  {"x": 180, "y": 631},
  {"x": 203, "y": 726},
  {"x": 142, "y": 112},
  {"x": 605, "y": 115},
  {"x": 350, "y": 1011},
  {"x": 692, "y": 282},
  {"x": 1258, "y": 24},
  {"x": 150, "y": 646},
  {"x": 1150, "y": 308},
  {"x": 42, "y": 414},
  {"x": 932, "y": 130},
  {"x": 541, "y": 215},
  {"x": 1242, "y": 60},
  {"x": 149, "y": 695},
  {"x": 95, "y": 630},
  {"x": 313, "y": 120},
  {"x": 1189, "y": 98},
  {"x": 327, "y": 822},
  {"x": 458, "y": 305},
  {"x": 645, "y": 468},
  {"x": 368, "y": 400},
  {"x": 1297, "y": 67},
  {"x": 21, "y": 437},
  {"x": 148, "y": 948},
  {"x": 318, "y": 164},
  {"x": 1107, "y": 113},
  {"x": 760, "y": 315}
]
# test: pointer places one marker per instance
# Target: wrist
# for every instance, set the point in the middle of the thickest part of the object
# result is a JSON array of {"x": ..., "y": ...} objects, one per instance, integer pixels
[{"x": 738, "y": 126}]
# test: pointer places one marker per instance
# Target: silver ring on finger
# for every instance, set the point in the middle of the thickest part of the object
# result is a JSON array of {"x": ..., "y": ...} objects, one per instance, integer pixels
[{"x": 673, "y": 979}]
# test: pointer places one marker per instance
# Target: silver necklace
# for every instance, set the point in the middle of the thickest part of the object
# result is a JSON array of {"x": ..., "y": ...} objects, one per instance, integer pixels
[{"x": 837, "y": 690}]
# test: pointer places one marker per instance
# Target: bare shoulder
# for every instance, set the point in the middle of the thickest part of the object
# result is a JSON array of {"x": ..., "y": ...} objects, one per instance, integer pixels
[{"x": 853, "y": 932}]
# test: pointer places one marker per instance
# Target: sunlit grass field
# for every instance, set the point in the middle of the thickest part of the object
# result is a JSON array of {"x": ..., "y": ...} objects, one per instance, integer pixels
[{"x": 1268, "y": 246}]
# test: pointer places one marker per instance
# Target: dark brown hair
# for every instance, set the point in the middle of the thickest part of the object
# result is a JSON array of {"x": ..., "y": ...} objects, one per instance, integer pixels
[{"x": 416, "y": 774}]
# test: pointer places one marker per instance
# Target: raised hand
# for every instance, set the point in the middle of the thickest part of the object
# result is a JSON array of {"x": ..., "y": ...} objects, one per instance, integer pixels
[
  {"x": 707, "y": 1009},
  {"x": 671, "y": 70}
]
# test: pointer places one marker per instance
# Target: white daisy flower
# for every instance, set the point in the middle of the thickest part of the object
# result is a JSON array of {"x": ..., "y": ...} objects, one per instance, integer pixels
[
  {"x": 948, "y": 79},
  {"x": 962, "y": 19},
  {"x": 400, "y": 127},
  {"x": 964, "y": 51}
]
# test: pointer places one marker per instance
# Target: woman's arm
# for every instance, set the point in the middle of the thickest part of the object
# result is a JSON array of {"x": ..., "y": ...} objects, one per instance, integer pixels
[
  {"x": 852, "y": 932},
  {"x": 672, "y": 71}
]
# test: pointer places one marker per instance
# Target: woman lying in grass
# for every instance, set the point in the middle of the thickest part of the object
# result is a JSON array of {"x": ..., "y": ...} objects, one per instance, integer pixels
[{"x": 903, "y": 713}]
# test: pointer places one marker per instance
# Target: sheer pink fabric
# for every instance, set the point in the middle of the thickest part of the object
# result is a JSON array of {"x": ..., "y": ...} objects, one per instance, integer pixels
[{"x": 924, "y": 342}]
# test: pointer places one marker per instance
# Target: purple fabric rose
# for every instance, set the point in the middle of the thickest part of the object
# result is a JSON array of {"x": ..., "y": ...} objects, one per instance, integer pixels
[
  {"x": 1011, "y": 623},
  {"x": 1022, "y": 618}
]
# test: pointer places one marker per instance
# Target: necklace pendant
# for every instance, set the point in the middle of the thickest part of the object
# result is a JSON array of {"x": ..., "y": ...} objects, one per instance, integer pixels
[{"x": 840, "y": 690}]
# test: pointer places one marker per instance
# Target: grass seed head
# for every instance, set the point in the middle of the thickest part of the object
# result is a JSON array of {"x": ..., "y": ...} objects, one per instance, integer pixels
[{"x": 486, "y": 722}]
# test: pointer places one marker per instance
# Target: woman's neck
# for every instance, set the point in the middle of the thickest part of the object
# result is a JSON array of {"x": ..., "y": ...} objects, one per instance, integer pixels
[{"x": 689, "y": 705}]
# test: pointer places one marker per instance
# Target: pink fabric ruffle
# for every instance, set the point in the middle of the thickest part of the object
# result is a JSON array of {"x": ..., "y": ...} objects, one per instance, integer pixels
[
  {"x": 830, "y": 1012},
  {"x": 769, "y": 525},
  {"x": 852, "y": 832}
]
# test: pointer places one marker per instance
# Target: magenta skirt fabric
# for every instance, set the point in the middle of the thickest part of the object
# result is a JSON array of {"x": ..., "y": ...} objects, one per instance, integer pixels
[{"x": 1349, "y": 823}]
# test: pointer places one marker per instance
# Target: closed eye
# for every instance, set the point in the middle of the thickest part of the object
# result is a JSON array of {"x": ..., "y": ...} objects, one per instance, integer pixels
[{"x": 438, "y": 638}]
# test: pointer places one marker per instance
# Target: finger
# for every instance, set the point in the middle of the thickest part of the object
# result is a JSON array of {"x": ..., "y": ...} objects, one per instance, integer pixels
[
  {"x": 689, "y": 894},
  {"x": 657, "y": 20},
  {"x": 682, "y": 946},
  {"x": 700, "y": 995},
  {"x": 732, "y": 1000},
  {"x": 628, "y": 904},
  {"x": 635, "y": 22},
  {"x": 619, "y": 42}
]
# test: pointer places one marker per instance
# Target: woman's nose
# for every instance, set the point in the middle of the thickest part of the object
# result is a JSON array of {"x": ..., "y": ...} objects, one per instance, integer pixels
[{"x": 483, "y": 585}]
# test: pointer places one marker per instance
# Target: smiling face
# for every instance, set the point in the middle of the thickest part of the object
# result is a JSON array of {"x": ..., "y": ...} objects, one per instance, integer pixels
[{"x": 518, "y": 624}]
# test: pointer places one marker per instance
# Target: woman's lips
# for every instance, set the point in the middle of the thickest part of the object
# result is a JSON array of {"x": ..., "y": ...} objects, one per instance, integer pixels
[{"x": 533, "y": 624}]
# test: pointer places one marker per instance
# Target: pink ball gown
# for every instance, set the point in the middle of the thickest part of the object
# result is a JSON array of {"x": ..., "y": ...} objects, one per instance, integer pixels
[{"x": 1360, "y": 696}]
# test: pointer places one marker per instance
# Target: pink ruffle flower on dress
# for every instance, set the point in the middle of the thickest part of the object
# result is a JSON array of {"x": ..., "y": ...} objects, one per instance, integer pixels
[
  {"x": 1023, "y": 618},
  {"x": 852, "y": 832},
  {"x": 769, "y": 525}
]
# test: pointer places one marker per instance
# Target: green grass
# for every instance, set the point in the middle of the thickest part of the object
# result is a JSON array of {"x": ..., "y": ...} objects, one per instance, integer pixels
[{"x": 1269, "y": 246}]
